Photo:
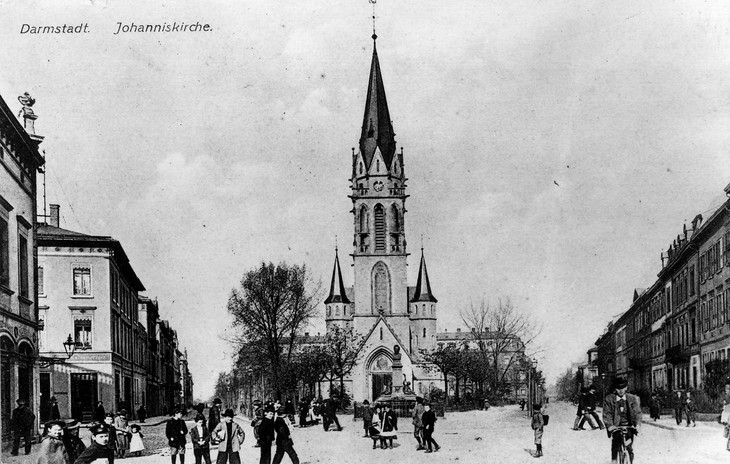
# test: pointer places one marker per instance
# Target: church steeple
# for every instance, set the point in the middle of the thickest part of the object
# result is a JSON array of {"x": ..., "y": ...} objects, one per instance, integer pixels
[
  {"x": 337, "y": 288},
  {"x": 423, "y": 286},
  {"x": 377, "y": 130}
]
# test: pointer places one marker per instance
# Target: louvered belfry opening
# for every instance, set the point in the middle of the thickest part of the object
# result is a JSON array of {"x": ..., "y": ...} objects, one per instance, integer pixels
[{"x": 379, "y": 228}]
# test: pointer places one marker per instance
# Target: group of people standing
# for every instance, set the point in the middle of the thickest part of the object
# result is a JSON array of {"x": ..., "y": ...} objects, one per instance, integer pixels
[
  {"x": 683, "y": 404},
  {"x": 381, "y": 425}
]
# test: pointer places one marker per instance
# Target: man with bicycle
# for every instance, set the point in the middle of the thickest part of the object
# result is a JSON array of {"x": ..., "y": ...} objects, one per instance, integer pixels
[{"x": 621, "y": 415}]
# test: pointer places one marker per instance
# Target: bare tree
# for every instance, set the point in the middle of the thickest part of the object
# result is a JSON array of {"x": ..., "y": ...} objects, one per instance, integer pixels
[
  {"x": 342, "y": 347},
  {"x": 446, "y": 358},
  {"x": 502, "y": 336},
  {"x": 270, "y": 308}
]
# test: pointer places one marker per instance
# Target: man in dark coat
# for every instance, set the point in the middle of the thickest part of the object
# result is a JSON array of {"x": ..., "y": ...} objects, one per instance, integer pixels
[
  {"x": 266, "y": 435},
  {"x": 678, "y": 402},
  {"x": 142, "y": 413},
  {"x": 214, "y": 414},
  {"x": 175, "y": 431},
  {"x": 429, "y": 422},
  {"x": 74, "y": 445},
  {"x": 330, "y": 408},
  {"x": 590, "y": 405},
  {"x": 284, "y": 443},
  {"x": 621, "y": 410},
  {"x": 99, "y": 448},
  {"x": 22, "y": 424},
  {"x": 303, "y": 412},
  {"x": 99, "y": 412}
]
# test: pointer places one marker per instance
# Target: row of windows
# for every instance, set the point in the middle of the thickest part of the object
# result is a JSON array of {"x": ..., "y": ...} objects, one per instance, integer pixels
[
  {"x": 714, "y": 309},
  {"x": 23, "y": 262},
  {"x": 712, "y": 260}
]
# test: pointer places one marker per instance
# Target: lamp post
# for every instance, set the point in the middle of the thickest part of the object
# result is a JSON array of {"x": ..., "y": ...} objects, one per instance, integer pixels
[
  {"x": 250, "y": 393},
  {"x": 70, "y": 346},
  {"x": 603, "y": 388},
  {"x": 530, "y": 379}
]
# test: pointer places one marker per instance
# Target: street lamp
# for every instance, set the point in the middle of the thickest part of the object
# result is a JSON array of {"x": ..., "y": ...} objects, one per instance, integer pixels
[
  {"x": 70, "y": 346},
  {"x": 603, "y": 388}
]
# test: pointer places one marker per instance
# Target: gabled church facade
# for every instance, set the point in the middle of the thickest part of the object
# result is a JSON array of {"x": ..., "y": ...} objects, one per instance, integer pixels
[{"x": 380, "y": 305}]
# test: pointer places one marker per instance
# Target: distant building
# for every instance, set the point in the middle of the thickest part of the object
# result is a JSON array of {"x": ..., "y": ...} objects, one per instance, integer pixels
[
  {"x": 19, "y": 165},
  {"x": 90, "y": 292}
]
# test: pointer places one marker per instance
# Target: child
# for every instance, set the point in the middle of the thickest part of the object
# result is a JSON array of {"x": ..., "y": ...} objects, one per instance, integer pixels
[
  {"x": 136, "y": 446},
  {"x": 537, "y": 426},
  {"x": 375, "y": 426}
]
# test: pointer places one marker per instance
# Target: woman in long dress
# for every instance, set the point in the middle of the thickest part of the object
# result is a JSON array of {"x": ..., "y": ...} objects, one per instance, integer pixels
[{"x": 375, "y": 427}]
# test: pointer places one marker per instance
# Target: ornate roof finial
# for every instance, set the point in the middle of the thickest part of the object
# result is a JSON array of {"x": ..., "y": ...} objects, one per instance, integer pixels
[
  {"x": 335, "y": 244},
  {"x": 375, "y": 36}
]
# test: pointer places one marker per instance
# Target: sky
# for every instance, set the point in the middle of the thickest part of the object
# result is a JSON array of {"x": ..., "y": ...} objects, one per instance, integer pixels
[{"x": 553, "y": 149}]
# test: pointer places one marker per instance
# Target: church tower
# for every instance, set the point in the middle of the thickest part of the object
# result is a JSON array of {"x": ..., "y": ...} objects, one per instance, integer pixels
[
  {"x": 338, "y": 306},
  {"x": 378, "y": 197}
]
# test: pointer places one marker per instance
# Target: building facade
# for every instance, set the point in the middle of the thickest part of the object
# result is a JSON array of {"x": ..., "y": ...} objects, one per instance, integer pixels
[{"x": 20, "y": 162}]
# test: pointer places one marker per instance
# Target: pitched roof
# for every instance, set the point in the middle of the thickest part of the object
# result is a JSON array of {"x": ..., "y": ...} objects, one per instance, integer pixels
[
  {"x": 377, "y": 130},
  {"x": 422, "y": 291},
  {"x": 338, "y": 293},
  {"x": 404, "y": 348}
]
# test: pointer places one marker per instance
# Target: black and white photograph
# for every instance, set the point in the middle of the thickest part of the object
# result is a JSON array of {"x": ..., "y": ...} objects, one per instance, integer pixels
[{"x": 364, "y": 231}]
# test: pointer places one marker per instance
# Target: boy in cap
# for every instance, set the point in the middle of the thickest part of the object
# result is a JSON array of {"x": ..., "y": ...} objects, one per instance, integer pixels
[
  {"x": 266, "y": 435},
  {"x": 230, "y": 437},
  {"x": 175, "y": 430},
  {"x": 621, "y": 411},
  {"x": 99, "y": 446}
]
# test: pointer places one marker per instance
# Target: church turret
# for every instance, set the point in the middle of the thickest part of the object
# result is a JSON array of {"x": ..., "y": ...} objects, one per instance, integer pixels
[
  {"x": 423, "y": 310},
  {"x": 337, "y": 304}
]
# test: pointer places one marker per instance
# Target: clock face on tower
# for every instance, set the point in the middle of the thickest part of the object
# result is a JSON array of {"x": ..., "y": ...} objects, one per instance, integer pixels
[{"x": 378, "y": 186}]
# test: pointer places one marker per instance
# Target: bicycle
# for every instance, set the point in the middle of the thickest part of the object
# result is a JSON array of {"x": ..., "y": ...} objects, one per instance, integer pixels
[{"x": 627, "y": 438}]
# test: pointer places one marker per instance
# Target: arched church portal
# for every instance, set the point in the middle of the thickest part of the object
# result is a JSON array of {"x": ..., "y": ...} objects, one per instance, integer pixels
[{"x": 380, "y": 373}]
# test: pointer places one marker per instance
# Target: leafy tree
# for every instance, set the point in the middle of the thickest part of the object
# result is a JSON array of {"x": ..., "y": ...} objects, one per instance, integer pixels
[
  {"x": 446, "y": 358},
  {"x": 342, "y": 351},
  {"x": 271, "y": 307},
  {"x": 717, "y": 375},
  {"x": 566, "y": 387}
]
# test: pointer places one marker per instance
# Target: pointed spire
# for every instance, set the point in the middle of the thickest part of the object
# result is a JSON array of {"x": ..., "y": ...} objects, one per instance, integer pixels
[
  {"x": 423, "y": 286},
  {"x": 337, "y": 288},
  {"x": 377, "y": 130}
]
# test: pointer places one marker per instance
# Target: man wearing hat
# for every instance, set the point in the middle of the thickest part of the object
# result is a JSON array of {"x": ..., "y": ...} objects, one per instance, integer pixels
[
  {"x": 22, "y": 424},
  {"x": 214, "y": 414},
  {"x": 284, "y": 443},
  {"x": 230, "y": 437},
  {"x": 74, "y": 445},
  {"x": 266, "y": 435},
  {"x": 621, "y": 410},
  {"x": 99, "y": 446}
]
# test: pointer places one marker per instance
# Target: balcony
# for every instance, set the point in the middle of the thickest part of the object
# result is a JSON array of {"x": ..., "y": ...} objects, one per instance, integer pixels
[{"x": 676, "y": 354}]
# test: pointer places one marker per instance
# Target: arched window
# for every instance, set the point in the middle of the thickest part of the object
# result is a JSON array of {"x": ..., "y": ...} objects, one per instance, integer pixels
[
  {"x": 395, "y": 219},
  {"x": 329, "y": 310},
  {"x": 381, "y": 333},
  {"x": 360, "y": 167},
  {"x": 423, "y": 309},
  {"x": 379, "y": 228},
  {"x": 344, "y": 310},
  {"x": 337, "y": 310},
  {"x": 432, "y": 309},
  {"x": 380, "y": 289},
  {"x": 377, "y": 165},
  {"x": 364, "y": 226},
  {"x": 7, "y": 376},
  {"x": 424, "y": 332}
]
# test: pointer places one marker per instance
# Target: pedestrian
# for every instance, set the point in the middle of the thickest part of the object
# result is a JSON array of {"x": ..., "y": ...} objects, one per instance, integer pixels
[
  {"x": 258, "y": 414},
  {"x": 200, "y": 436},
  {"x": 52, "y": 450},
  {"x": 429, "y": 421},
  {"x": 654, "y": 407},
  {"x": 74, "y": 445},
  {"x": 99, "y": 412},
  {"x": 136, "y": 445},
  {"x": 175, "y": 431},
  {"x": 582, "y": 414},
  {"x": 376, "y": 426},
  {"x": 725, "y": 415},
  {"x": 621, "y": 412},
  {"x": 690, "y": 409},
  {"x": 590, "y": 406},
  {"x": 289, "y": 410},
  {"x": 284, "y": 442},
  {"x": 142, "y": 413},
  {"x": 112, "y": 442},
  {"x": 266, "y": 435},
  {"x": 538, "y": 424},
  {"x": 55, "y": 413},
  {"x": 303, "y": 412},
  {"x": 230, "y": 437},
  {"x": 522, "y": 404},
  {"x": 21, "y": 422},
  {"x": 99, "y": 448},
  {"x": 678, "y": 405},
  {"x": 367, "y": 417},
  {"x": 331, "y": 410},
  {"x": 390, "y": 427},
  {"x": 121, "y": 424},
  {"x": 214, "y": 414},
  {"x": 418, "y": 422}
]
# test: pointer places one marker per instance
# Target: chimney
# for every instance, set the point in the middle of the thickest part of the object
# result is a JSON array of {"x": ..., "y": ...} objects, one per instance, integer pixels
[{"x": 54, "y": 214}]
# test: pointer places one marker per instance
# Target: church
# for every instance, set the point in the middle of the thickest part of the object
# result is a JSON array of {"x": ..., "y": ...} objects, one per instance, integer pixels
[{"x": 380, "y": 305}]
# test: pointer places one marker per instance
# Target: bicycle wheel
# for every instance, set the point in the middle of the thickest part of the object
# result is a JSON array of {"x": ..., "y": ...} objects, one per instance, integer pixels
[{"x": 623, "y": 456}]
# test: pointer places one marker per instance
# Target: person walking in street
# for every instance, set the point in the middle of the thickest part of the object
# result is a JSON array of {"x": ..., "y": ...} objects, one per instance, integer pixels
[
  {"x": 678, "y": 406},
  {"x": 99, "y": 412},
  {"x": 256, "y": 422},
  {"x": 74, "y": 445},
  {"x": 538, "y": 425},
  {"x": 418, "y": 422},
  {"x": 214, "y": 414},
  {"x": 303, "y": 412},
  {"x": 725, "y": 415},
  {"x": 590, "y": 406},
  {"x": 230, "y": 437},
  {"x": 112, "y": 442},
  {"x": 142, "y": 413},
  {"x": 175, "y": 431},
  {"x": 52, "y": 450},
  {"x": 55, "y": 413},
  {"x": 99, "y": 449},
  {"x": 583, "y": 415},
  {"x": 266, "y": 435},
  {"x": 284, "y": 443},
  {"x": 621, "y": 411},
  {"x": 21, "y": 423},
  {"x": 429, "y": 421},
  {"x": 331, "y": 407},
  {"x": 367, "y": 417},
  {"x": 390, "y": 426},
  {"x": 121, "y": 424},
  {"x": 690, "y": 408},
  {"x": 655, "y": 407},
  {"x": 200, "y": 437}
]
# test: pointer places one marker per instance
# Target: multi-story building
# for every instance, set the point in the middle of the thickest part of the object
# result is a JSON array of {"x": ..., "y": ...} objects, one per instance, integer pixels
[
  {"x": 20, "y": 162},
  {"x": 89, "y": 292}
]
